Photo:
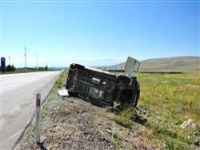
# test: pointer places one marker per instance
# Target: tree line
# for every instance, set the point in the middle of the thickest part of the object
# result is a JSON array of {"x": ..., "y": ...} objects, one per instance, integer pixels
[{"x": 12, "y": 68}]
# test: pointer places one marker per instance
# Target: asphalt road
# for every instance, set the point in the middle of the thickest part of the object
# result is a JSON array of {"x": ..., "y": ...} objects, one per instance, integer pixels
[{"x": 17, "y": 102}]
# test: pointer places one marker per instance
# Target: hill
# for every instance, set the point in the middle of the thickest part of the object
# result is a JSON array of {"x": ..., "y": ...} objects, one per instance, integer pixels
[{"x": 170, "y": 64}]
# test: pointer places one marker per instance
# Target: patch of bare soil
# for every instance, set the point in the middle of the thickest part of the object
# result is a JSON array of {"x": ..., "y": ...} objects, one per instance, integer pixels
[{"x": 76, "y": 125}]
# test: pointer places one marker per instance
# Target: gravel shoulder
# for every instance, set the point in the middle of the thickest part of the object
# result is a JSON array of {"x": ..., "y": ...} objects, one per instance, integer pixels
[{"x": 72, "y": 123}]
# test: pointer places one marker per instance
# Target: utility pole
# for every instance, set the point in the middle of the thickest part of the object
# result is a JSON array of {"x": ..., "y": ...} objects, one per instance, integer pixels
[
  {"x": 9, "y": 60},
  {"x": 25, "y": 58},
  {"x": 36, "y": 61}
]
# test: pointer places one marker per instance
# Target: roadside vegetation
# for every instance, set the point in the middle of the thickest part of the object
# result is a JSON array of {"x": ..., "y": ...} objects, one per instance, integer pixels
[
  {"x": 10, "y": 69},
  {"x": 60, "y": 81},
  {"x": 32, "y": 69},
  {"x": 52, "y": 98},
  {"x": 167, "y": 101}
]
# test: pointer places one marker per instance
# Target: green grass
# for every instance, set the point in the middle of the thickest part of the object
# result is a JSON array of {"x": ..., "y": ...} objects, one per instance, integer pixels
[
  {"x": 174, "y": 97},
  {"x": 171, "y": 99},
  {"x": 53, "y": 98},
  {"x": 117, "y": 140},
  {"x": 60, "y": 81}
]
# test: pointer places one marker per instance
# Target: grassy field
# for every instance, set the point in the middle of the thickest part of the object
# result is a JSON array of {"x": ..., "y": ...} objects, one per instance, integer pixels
[{"x": 171, "y": 100}]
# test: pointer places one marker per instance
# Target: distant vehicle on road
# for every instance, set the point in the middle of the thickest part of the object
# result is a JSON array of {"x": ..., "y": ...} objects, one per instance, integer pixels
[{"x": 104, "y": 88}]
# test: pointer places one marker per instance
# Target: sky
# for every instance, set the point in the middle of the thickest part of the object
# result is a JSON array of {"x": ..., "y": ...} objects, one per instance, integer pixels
[{"x": 97, "y": 32}]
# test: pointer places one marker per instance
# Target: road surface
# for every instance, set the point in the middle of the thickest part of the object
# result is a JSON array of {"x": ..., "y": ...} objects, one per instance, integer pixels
[{"x": 17, "y": 102}]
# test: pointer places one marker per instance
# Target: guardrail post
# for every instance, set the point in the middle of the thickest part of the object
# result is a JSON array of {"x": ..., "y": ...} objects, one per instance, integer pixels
[{"x": 37, "y": 128}]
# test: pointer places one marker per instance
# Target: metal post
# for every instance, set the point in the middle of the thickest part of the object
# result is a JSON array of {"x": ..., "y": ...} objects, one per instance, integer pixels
[
  {"x": 25, "y": 58},
  {"x": 37, "y": 132},
  {"x": 36, "y": 61},
  {"x": 9, "y": 60}
]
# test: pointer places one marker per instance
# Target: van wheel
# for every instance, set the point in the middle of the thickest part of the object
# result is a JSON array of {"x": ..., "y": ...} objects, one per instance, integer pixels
[
  {"x": 136, "y": 89},
  {"x": 124, "y": 79}
]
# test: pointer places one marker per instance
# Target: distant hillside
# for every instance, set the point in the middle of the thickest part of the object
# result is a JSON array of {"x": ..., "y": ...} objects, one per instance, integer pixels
[{"x": 177, "y": 64}]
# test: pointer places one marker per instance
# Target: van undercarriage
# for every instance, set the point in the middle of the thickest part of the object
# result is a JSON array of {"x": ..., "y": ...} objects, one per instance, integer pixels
[{"x": 102, "y": 88}]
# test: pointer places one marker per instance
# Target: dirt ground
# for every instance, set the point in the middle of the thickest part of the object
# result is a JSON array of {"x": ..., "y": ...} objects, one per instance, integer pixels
[{"x": 74, "y": 124}]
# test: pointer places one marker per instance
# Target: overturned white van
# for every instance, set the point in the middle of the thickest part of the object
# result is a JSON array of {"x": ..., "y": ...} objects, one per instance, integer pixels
[{"x": 104, "y": 88}]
